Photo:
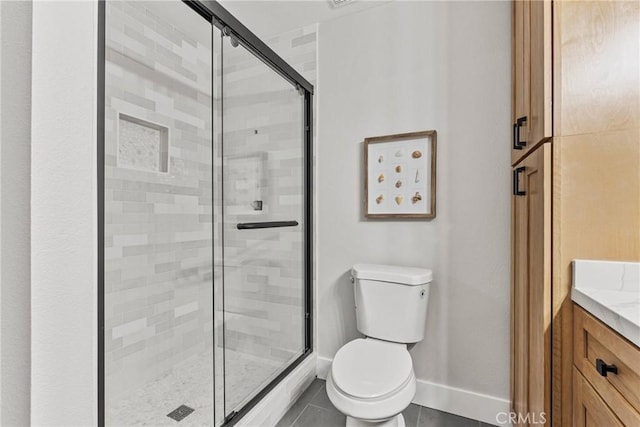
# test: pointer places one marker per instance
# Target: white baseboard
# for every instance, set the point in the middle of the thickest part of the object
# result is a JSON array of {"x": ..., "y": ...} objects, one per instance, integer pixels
[
  {"x": 274, "y": 405},
  {"x": 324, "y": 364},
  {"x": 444, "y": 398},
  {"x": 461, "y": 402}
]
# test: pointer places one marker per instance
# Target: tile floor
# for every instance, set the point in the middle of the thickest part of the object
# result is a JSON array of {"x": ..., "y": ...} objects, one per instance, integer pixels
[{"x": 313, "y": 409}]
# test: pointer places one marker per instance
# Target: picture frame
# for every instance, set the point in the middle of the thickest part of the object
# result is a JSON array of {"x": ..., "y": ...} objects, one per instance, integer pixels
[{"x": 400, "y": 175}]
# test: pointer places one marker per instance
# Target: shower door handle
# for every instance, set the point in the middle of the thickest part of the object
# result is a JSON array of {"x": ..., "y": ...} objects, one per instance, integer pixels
[{"x": 266, "y": 224}]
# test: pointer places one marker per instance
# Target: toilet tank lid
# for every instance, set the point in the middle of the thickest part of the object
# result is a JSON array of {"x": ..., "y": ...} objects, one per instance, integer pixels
[{"x": 392, "y": 273}]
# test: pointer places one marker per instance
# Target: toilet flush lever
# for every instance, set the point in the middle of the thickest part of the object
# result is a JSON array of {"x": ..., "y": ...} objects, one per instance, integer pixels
[
  {"x": 422, "y": 293},
  {"x": 353, "y": 280}
]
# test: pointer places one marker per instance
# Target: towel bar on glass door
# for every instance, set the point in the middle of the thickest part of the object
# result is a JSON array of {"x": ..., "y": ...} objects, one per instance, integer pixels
[{"x": 266, "y": 224}]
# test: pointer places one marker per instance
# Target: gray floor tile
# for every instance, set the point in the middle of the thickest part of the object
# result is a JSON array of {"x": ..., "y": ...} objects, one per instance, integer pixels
[
  {"x": 314, "y": 416},
  {"x": 315, "y": 386},
  {"x": 297, "y": 408},
  {"x": 322, "y": 400},
  {"x": 314, "y": 409},
  {"x": 411, "y": 415},
  {"x": 432, "y": 418},
  {"x": 487, "y": 424}
]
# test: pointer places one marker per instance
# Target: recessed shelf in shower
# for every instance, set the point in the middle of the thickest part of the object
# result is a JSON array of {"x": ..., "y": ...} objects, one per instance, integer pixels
[{"x": 142, "y": 145}]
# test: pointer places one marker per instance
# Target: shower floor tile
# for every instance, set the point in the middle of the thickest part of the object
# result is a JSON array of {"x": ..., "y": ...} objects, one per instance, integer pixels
[{"x": 190, "y": 384}]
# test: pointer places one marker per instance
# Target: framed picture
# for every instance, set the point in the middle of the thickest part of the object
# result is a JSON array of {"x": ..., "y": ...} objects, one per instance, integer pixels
[{"x": 400, "y": 175}]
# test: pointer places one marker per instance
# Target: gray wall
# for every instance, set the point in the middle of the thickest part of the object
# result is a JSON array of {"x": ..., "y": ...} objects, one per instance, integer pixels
[
  {"x": 412, "y": 66},
  {"x": 15, "y": 168}
]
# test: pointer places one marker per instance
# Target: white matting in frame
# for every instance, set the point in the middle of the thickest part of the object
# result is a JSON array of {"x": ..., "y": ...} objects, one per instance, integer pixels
[{"x": 400, "y": 175}]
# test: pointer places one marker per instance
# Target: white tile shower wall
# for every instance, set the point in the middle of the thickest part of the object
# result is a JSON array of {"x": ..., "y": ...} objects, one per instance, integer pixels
[
  {"x": 264, "y": 269},
  {"x": 158, "y": 226}
]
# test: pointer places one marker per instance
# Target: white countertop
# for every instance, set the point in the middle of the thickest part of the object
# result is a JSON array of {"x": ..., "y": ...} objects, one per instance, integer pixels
[{"x": 610, "y": 291}]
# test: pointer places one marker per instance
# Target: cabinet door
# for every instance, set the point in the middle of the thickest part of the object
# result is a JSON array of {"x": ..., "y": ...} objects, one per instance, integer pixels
[
  {"x": 539, "y": 116},
  {"x": 588, "y": 408},
  {"x": 532, "y": 77},
  {"x": 592, "y": 340},
  {"x": 518, "y": 66},
  {"x": 531, "y": 285}
]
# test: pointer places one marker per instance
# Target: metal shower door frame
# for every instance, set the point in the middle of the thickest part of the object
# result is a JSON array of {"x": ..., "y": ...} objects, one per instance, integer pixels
[{"x": 219, "y": 17}]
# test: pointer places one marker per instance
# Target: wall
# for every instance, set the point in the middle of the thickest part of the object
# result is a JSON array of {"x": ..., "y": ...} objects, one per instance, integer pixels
[
  {"x": 411, "y": 66},
  {"x": 64, "y": 214},
  {"x": 15, "y": 169}
]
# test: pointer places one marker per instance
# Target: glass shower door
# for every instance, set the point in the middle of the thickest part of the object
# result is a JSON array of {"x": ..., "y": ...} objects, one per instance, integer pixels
[
  {"x": 158, "y": 282},
  {"x": 263, "y": 192},
  {"x": 204, "y": 293}
]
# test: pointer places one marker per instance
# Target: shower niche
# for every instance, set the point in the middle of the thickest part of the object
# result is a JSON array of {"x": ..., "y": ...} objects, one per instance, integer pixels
[
  {"x": 205, "y": 285},
  {"x": 142, "y": 145}
]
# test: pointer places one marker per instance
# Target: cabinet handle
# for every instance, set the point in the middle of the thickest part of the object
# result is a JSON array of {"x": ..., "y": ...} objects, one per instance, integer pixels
[
  {"x": 516, "y": 182},
  {"x": 603, "y": 368},
  {"x": 521, "y": 121},
  {"x": 515, "y": 137}
]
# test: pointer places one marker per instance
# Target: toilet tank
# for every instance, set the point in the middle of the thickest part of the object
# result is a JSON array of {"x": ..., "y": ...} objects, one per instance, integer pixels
[{"x": 391, "y": 301}]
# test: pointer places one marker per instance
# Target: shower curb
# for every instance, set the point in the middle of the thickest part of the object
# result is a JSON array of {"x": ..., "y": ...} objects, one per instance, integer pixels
[{"x": 274, "y": 405}]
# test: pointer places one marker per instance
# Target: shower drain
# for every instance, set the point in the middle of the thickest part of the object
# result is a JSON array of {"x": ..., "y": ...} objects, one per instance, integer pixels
[{"x": 180, "y": 413}]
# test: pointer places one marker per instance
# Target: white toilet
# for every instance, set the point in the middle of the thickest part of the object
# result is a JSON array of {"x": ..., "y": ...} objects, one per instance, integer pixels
[{"x": 371, "y": 379}]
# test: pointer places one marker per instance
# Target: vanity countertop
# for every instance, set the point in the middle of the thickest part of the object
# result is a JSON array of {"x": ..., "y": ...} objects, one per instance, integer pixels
[{"x": 610, "y": 291}]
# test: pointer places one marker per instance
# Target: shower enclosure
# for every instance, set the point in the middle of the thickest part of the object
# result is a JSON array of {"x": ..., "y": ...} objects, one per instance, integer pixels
[{"x": 205, "y": 215}]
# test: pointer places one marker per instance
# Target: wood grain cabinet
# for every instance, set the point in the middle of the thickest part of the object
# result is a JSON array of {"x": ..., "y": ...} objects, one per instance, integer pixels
[
  {"x": 606, "y": 377},
  {"x": 596, "y": 154},
  {"x": 532, "y": 76},
  {"x": 576, "y": 125},
  {"x": 589, "y": 409},
  {"x": 531, "y": 156},
  {"x": 531, "y": 285}
]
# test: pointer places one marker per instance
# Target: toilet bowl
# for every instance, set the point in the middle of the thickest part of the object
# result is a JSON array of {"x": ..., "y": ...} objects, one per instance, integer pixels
[
  {"x": 371, "y": 379},
  {"x": 371, "y": 382}
]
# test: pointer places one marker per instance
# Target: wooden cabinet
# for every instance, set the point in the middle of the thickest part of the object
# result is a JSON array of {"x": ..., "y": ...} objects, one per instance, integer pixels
[
  {"x": 596, "y": 154},
  {"x": 532, "y": 76},
  {"x": 596, "y": 66},
  {"x": 531, "y": 357},
  {"x": 578, "y": 88},
  {"x": 531, "y": 284},
  {"x": 589, "y": 409},
  {"x": 596, "y": 215},
  {"x": 610, "y": 367}
]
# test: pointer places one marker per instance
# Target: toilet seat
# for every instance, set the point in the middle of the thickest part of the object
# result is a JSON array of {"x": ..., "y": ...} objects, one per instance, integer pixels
[
  {"x": 371, "y": 379},
  {"x": 370, "y": 368}
]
